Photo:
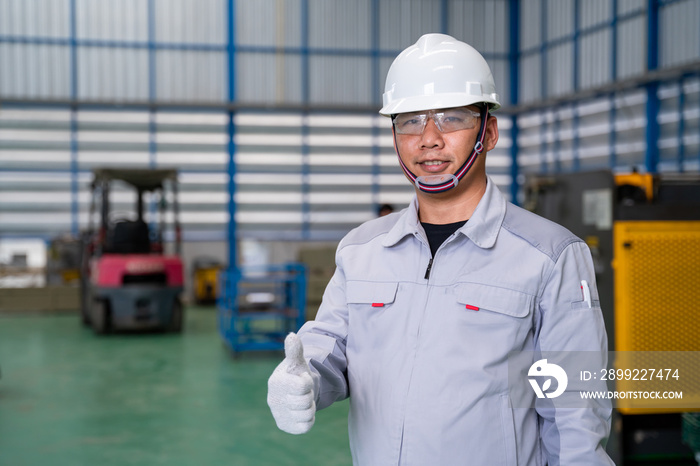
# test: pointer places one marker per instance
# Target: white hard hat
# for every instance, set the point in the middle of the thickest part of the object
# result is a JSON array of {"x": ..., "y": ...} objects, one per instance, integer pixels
[{"x": 436, "y": 72}]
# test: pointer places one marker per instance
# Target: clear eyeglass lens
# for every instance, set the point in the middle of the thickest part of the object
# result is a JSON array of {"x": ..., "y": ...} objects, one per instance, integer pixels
[{"x": 453, "y": 119}]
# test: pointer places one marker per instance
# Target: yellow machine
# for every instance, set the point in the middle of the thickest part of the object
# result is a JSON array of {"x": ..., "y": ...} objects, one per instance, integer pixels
[
  {"x": 657, "y": 291},
  {"x": 657, "y": 285},
  {"x": 656, "y": 252},
  {"x": 205, "y": 285},
  {"x": 63, "y": 260},
  {"x": 644, "y": 234}
]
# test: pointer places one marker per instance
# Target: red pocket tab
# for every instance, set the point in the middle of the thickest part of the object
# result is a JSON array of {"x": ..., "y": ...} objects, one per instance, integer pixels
[
  {"x": 377, "y": 304},
  {"x": 472, "y": 308}
]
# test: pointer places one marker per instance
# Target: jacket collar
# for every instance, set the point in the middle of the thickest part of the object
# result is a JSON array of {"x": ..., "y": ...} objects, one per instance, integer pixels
[{"x": 482, "y": 228}]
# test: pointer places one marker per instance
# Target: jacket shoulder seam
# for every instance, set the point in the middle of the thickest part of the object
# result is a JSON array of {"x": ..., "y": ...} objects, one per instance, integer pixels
[
  {"x": 363, "y": 234},
  {"x": 553, "y": 253},
  {"x": 349, "y": 241}
]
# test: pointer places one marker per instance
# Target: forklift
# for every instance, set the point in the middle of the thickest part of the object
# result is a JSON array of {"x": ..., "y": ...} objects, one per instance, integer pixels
[{"x": 128, "y": 281}]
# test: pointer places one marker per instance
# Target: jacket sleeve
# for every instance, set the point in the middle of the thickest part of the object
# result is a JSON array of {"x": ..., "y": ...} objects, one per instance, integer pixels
[
  {"x": 324, "y": 342},
  {"x": 573, "y": 434}
]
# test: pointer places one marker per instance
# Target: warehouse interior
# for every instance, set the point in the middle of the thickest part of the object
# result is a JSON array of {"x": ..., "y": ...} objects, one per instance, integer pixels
[{"x": 244, "y": 135}]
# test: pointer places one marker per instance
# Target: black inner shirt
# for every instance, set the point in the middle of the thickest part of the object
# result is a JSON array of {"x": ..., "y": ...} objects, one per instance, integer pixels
[{"x": 437, "y": 234}]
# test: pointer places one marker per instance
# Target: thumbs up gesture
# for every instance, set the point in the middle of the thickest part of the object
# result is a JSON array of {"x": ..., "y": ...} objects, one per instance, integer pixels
[{"x": 290, "y": 393}]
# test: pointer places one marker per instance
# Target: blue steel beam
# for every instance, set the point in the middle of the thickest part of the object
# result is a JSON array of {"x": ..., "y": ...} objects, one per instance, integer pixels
[
  {"x": 151, "y": 51},
  {"x": 576, "y": 39},
  {"x": 613, "y": 38},
  {"x": 514, "y": 63},
  {"x": 376, "y": 88},
  {"x": 74, "y": 207},
  {"x": 231, "y": 65},
  {"x": 576, "y": 84},
  {"x": 543, "y": 48},
  {"x": 575, "y": 123},
  {"x": 152, "y": 96},
  {"x": 544, "y": 164},
  {"x": 306, "y": 99},
  {"x": 556, "y": 143},
  {"x": 681, "y": 126},
  {"x": 444, "y": 16},
  {"x": 651, "y": 154},
  {"x": 612, "y": 142},
  {"x": 75, "y": 226}
]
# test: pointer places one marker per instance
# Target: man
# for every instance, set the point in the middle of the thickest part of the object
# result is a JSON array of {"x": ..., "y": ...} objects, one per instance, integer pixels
[
  {"x": 385, "y": 209},
  {"x": 417, "y": 324}
]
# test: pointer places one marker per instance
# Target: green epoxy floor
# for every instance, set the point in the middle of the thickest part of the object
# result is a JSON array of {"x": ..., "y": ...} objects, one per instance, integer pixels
[{"x": 68, "y": 397}]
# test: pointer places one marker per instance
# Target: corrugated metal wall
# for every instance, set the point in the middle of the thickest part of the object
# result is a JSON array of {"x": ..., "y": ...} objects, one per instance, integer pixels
[
  {"x": 146, "y": 82},
  {"x": 307, "y": 174},
  {"x": 286, "y": 51},
  {"x": 585, "y": 90}
]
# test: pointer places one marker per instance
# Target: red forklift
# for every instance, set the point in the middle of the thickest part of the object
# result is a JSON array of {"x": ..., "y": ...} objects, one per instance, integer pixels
[{"x": 128, "y": 281}]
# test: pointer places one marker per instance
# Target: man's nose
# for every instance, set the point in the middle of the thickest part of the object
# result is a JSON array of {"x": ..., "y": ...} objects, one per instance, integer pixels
[{"x": 431, "y": 136}]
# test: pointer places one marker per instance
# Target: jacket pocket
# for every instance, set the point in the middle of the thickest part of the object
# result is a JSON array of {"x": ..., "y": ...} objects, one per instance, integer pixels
[
  {"x": 478, "y": 297},
  {"x": 375, "y": 294}
]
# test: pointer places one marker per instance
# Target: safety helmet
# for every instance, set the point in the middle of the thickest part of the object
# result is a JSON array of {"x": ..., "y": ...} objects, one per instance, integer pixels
[{"x": 438, "y": 71}]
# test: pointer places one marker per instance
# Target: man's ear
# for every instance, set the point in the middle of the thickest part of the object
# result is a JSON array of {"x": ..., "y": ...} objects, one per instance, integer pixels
[{"x": 491, "y": 136}]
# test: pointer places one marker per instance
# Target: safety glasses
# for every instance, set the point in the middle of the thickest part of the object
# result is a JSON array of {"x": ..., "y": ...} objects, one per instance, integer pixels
[{"x": 447, "y": 120}]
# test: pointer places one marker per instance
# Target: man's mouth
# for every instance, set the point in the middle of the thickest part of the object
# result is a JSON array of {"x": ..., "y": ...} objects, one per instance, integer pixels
[{"x": 433, "y": 166}]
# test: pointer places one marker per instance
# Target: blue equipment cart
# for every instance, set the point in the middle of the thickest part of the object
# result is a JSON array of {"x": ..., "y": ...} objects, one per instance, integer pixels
[{"x": 259, "y": 306}]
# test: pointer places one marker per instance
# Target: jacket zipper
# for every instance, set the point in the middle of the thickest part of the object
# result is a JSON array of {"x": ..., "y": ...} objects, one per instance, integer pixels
[{"x": 427, "y": 271}]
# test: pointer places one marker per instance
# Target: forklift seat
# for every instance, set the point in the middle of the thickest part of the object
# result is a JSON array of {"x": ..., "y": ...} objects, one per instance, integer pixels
[{"x": 128, "y": 237}]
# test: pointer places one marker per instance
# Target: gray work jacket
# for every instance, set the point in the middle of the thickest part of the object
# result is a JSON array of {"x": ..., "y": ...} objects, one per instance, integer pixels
[{"x": 423, "y": 356}]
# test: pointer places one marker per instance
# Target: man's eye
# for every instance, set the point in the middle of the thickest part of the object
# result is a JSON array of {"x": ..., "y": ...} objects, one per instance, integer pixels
[
  {"x": 456, "y": 115},
  {"x": 410, "y": 122},
  {"x": 453, "y": 119}
]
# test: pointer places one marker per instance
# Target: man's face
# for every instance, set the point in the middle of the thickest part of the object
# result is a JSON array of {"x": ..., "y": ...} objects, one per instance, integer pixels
[{"x": 434, "y": 152}]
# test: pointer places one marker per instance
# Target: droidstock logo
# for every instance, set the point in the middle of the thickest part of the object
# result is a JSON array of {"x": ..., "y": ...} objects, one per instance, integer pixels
[{"x": 542, "y": 368}]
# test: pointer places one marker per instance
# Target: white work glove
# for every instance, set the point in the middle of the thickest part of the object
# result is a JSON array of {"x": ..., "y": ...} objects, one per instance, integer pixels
[{"x": 290, "y": 390}]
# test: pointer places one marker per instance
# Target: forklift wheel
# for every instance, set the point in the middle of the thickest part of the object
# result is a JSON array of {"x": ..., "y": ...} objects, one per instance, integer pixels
[
  {"x": 175, "y": 325},
  {"x": 84, "y": 318},
  {"x": 100, "y": 317},
  {"x": 85, "y": 298}
]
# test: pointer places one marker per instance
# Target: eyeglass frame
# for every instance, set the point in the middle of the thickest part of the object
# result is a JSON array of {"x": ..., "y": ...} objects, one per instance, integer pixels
[{"x": 436, "y": 116}]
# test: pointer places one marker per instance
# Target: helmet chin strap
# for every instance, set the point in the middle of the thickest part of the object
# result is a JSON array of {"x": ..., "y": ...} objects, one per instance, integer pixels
[{"x": 442, "y": 183}]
